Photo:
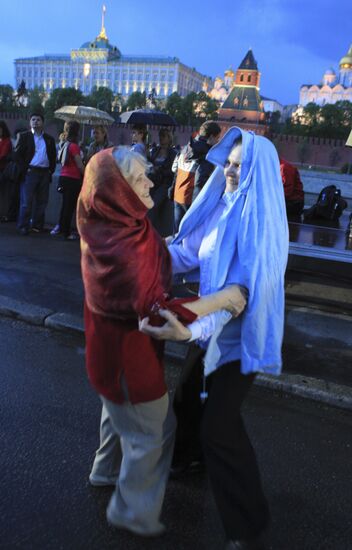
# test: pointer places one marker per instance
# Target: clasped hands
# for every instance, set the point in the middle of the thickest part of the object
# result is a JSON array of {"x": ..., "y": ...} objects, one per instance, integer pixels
[{"x": 232, "y": 298}]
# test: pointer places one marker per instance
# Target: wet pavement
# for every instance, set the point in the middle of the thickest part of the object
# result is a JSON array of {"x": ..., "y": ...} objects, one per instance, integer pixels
[{"x": 49, "y": 432}]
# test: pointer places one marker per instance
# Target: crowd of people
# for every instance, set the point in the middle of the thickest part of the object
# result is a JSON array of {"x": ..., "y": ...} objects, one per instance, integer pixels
[
  {"x": 230, "y": 224},
  {"x": 28, "y": 161}
]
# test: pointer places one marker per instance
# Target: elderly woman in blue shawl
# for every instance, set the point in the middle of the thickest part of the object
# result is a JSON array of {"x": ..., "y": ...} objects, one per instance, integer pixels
[{"x": 235, "y": 232}]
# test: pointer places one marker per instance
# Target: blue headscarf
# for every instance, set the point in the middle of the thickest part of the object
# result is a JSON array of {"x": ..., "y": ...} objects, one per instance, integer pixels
[{"x": 254, "y": 226}]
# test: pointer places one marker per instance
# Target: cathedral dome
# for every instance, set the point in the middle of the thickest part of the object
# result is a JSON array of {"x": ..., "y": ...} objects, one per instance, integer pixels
[
  {"x": 101, "y": 42},
  {"x": 229, "y": 72},
  {"x": 347, "y": 59},
  {"x": 330, "y": 72}
]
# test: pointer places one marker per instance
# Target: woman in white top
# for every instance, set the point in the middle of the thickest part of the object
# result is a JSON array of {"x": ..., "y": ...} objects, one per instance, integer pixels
[{"x": 235, "y": 232}]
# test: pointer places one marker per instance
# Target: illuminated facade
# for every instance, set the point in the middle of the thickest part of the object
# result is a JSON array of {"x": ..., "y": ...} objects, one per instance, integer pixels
[
  {"x": 334, "y": 87},
  {"x": 99, "y": 63},
  {"x": 239, "y": 93}
]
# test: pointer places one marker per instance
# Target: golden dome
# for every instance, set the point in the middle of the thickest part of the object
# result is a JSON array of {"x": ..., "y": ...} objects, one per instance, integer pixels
[
  {"x": 229, "y": 72},
  {"x": 346, "y": 61}
]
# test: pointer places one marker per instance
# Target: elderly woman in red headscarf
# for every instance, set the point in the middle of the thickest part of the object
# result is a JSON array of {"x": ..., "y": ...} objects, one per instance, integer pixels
[{"x": 126, "y": 270}]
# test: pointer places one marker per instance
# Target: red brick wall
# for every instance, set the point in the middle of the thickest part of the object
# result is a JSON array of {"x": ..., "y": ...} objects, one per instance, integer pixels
[{"x": 319, "y": 151}]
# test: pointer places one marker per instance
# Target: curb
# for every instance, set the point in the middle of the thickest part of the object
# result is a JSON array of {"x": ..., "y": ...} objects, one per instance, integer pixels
[{"x": 309, "y": 388}]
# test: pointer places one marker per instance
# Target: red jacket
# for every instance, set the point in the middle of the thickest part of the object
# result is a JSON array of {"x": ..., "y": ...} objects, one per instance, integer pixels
[
  {"x": 291, "y": 180},
  {"x": 5, "y": 150}
]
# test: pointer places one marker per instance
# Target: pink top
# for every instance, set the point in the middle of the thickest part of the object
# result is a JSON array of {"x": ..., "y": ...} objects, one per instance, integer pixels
[{"x": 70, "y": 169}]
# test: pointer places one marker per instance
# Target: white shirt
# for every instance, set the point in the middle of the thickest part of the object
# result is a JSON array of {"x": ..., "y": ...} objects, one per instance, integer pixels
[
  {"x": 194, "y": 252},
  {"x": 40, "y": 157}
]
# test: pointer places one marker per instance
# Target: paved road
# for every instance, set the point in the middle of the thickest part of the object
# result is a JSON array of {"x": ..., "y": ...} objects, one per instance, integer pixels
[{"x": 49, "y": 427}]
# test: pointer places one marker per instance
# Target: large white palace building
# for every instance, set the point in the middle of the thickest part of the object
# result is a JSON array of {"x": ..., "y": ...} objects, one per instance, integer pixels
[{"x": 99, "y": 63}]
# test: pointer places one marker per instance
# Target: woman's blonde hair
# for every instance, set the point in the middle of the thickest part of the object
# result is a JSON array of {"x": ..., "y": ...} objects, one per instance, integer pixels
[{"x": 127, "y": 159}]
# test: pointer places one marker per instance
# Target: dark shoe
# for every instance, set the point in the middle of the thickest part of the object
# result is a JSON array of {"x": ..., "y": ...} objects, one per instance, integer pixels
[
  {"x": 186, "y": 467},
  {"x": 23, "y": 231}
]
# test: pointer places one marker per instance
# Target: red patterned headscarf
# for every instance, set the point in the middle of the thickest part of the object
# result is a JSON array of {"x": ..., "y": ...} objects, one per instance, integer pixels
[{"x": 126, "y": 267}]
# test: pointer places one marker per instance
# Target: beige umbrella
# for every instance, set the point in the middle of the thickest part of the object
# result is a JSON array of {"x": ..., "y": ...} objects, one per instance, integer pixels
[
  {"x": 349, "y": 140},
  {"x": 84, "y": 115}
]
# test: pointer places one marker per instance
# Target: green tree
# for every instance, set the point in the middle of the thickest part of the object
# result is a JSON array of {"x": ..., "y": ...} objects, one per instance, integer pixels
[
  {"x": 311, "y": 118},
  {"x": 346, "y": 107},
  {"x": 205, "y": 107},
  {"x": 188, "y": 115},
  {"x": 60, "y": 97},
  {"x": 137, "y": 100},
  {"x": 173, "y": 106},
  {"x": 101, "y": 98},
  {"x": 331, "y": 121},
  {"x": 272, "y": 119},
  {"x": 36, "y": 99},
  {"x": 7, "y": 98}
]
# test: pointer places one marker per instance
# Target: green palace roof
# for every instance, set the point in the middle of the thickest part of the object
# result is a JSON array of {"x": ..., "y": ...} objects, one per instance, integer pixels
[{"x": 243, "y": 98}]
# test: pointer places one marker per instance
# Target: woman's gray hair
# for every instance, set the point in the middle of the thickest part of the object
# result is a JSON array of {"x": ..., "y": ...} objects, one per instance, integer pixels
[{"x": 127, "y": 159}]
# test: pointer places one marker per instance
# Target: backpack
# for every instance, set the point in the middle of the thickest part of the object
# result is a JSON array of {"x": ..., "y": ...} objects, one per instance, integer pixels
[
  {"x": 329, "y": 205},
  {"x": 62, "y": 155}
]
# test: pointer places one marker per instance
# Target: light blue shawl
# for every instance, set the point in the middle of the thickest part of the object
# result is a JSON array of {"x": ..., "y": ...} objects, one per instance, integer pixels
[{"x": 254, "y": 226}]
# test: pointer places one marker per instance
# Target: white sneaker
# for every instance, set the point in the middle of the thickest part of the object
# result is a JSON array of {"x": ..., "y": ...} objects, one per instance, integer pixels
[{"x": 56, "y": 230}]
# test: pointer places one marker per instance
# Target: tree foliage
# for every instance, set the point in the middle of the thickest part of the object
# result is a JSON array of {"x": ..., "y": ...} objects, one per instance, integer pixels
[
  {"x": 60, "y": 97},
  {"x": 36, "y": 99},
  {"x": 7, "y": 98},
  {"x": 137, "y": 100},
  {"x": 327, "y": 121},
  {"x": 101, "y": 98}
]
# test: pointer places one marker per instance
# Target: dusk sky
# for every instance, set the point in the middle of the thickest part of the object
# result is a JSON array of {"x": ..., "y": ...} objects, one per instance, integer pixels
[{"x": 293, "y": 41}]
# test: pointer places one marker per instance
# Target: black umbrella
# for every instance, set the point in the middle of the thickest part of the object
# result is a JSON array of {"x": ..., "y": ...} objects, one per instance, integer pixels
[{"x": 147, "y": 116}]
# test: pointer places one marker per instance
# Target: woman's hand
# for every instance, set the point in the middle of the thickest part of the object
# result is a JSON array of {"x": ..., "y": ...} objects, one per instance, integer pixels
[
  {"x": 172, "y": 330},
  {"x": 234, "y": 299}
]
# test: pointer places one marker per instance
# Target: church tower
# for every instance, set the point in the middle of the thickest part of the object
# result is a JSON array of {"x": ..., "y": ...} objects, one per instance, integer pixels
[
  {"x": 346, "y": 69},
  {"x": 243, "y": 102}
]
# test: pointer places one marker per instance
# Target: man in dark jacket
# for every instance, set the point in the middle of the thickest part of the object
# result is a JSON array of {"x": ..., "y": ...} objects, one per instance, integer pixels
[
  {"x": 35, "y": 153},
  {"x": 192, "y": 169},
  {"x": 198, "y": 148}
]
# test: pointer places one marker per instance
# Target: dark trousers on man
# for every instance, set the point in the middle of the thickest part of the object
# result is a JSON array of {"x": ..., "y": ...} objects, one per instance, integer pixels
[
  {"x": 179, "y": 211},
  {"x": 71, "y": 188},
  {"x": 229, "y": 456},
  {"x": 34, "y": 187}
]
